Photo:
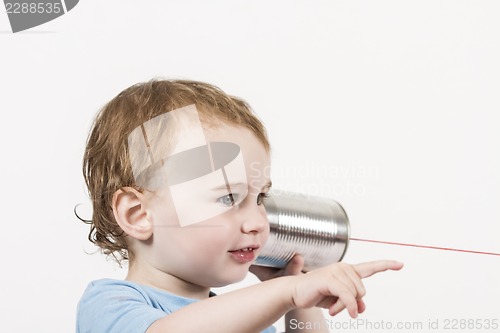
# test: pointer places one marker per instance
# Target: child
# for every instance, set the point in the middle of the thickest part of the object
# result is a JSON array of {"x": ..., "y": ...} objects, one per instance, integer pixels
[{"x": 176, "y": 175}]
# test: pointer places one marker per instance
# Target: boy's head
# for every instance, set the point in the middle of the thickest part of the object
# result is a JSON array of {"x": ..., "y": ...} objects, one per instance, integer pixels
[{"x": 107, "y": 160}]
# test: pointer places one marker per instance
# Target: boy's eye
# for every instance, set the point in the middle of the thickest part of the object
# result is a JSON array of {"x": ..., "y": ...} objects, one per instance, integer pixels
[
  {"x": 228, "y": 200},
  {"x": 261, "y": 197}
]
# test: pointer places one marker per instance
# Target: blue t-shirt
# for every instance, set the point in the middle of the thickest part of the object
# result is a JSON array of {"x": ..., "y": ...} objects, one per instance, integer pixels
[{"x": 117, "y": 306}]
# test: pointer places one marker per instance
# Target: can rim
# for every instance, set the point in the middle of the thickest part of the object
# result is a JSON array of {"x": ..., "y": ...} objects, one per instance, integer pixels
[{"x": 348, "y": 233}]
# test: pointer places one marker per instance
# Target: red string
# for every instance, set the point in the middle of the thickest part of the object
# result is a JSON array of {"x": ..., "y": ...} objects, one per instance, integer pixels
[{"x": 424, "y": 246}]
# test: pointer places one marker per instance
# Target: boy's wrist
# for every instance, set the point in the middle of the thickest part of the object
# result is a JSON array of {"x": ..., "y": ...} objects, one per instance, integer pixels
[{"x": 289, "y": 283}]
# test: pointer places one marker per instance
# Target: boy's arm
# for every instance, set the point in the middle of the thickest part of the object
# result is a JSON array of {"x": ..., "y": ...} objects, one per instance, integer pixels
[
  {"x": 297, "y": 320},
  {"x": 252, "y": 309}
]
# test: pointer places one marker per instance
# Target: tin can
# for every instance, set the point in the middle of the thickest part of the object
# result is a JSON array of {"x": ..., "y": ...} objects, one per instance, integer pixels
[{"x": 315, "y": 227}]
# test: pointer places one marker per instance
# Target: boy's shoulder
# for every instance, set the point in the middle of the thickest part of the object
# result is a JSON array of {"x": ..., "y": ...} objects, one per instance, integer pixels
[
  {"x": 115, "y": 302},
  {"x": 117, "y": 306},
  {"x": 113, "y": 290}
]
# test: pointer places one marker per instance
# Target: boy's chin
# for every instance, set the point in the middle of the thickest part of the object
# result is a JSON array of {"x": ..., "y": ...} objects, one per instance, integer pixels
[{"x": 230, "y": 280}]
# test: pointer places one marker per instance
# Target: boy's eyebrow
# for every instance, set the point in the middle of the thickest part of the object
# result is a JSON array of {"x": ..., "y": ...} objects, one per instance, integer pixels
[
  {"x": 267, "y": 186},
  {"x": 227, "y": 186}
]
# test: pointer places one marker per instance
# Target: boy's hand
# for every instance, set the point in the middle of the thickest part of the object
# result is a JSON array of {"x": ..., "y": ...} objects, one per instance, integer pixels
[
  {"x": 337, "y": 286},
  {"x": 294, "y": 267},
  {"x": 332, "y": 287}
]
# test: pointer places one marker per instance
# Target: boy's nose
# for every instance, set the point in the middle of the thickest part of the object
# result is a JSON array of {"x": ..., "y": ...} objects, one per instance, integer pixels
[{"x": 254, "y": 219}]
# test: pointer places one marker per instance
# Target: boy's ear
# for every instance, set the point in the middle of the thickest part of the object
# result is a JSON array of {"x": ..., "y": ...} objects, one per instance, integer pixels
[{"x": 130, "y": 213}]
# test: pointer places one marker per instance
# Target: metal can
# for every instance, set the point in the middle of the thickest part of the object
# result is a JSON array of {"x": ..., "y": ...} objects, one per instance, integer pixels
[{"x": 315, "y": 227}]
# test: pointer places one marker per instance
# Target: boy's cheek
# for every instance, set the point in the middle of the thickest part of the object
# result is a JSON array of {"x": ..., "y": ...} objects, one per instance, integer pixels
[{"x": 265, "y": 235}]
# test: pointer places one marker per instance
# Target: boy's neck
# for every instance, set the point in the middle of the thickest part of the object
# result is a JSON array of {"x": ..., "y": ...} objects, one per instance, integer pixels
[{"x": 149, "y": 276}]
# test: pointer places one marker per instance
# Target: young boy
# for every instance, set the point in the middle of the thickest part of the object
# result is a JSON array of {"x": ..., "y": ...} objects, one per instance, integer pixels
[{"x": 176, "y": 175}]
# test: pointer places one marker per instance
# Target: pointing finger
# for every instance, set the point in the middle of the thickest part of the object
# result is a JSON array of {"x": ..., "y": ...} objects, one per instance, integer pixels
[{"x": 367, "y": 269}]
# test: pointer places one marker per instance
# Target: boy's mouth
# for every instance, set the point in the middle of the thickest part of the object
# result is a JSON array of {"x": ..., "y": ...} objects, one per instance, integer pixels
[{"x": 244, "y": 255}]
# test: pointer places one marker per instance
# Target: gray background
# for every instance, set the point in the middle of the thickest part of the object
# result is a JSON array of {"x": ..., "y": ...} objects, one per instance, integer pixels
[{"x": 389, "y": 107}]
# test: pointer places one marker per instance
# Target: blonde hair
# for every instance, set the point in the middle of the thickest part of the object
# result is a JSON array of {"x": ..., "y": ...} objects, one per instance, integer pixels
[{"x": 106, "y": 162}]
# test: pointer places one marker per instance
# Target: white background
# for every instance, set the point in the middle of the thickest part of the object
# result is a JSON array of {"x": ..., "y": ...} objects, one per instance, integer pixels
[{"x": 397, "y": 100}]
